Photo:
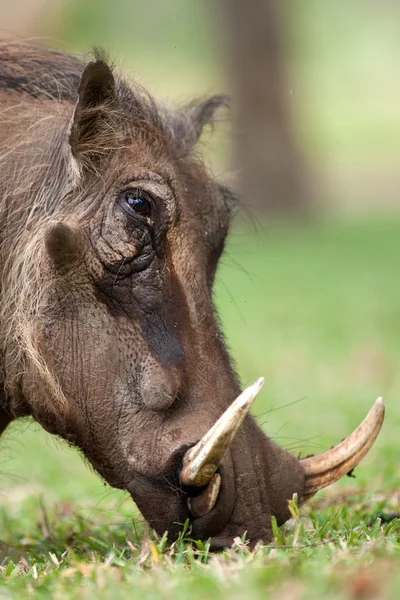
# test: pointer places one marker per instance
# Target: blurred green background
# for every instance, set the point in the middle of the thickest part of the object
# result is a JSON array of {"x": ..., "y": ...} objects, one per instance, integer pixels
[
  {"x": 341, "y": 59},
  {"x": 315, "y": 307},
  {"x": 343, "y": 74}
]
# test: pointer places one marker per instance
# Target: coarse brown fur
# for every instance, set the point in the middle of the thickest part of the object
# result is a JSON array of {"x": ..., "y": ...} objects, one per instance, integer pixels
[{"x": 108, "y": 334}]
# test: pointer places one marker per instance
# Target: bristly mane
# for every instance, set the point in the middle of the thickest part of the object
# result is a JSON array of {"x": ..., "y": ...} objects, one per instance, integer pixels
[
  {"x": 46, "y": 73},
  {"x": 52, "y": 74},
  {"x": 39, "y": 72}
]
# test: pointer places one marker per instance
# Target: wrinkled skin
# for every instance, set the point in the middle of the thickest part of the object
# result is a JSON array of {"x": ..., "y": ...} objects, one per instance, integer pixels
[{"x": 128, "y": 327}]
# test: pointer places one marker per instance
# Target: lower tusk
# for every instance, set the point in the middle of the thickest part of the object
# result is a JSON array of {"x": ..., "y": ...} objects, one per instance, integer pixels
[
  {"x": 202, "y": 504},
  {"x": 202, "y": 460},
  {"x": 325, "y": 469}
]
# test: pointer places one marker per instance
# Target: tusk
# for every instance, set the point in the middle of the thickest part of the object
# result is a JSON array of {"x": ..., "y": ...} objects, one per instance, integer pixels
[
  {"x": 328, "y": 467},
  {"x": 202, "y": 460},
  {"x": 201, "y": 505}
]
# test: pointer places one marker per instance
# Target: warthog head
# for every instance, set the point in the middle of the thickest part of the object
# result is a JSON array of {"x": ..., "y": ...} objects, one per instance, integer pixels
[{"x": 113, "y": 233}]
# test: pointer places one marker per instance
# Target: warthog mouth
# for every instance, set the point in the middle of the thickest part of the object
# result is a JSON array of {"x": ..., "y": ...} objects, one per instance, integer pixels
[
  {"x": 201, "y": 480},
  {"x": 204, "y": 482},
  {"x": 199, "y": 475}
]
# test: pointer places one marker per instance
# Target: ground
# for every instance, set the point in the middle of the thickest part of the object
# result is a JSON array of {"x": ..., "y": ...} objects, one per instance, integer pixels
[{"x": 315, "y": 309}]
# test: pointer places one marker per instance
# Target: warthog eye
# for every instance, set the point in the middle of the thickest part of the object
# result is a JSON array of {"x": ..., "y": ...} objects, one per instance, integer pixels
[{"x": 135, "y": 201}]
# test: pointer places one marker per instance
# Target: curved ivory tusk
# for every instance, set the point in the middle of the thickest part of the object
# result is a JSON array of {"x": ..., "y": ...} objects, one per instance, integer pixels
[
  {"x": 202, "y": 460},
  {"x": 201, "y": 505},
  {"x": 328, "y": 467}
]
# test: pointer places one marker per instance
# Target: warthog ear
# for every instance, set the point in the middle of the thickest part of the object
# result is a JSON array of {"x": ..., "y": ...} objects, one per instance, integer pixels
[
  {"x": 91, "y": 131},
  {"x": 200, "y": 114}
]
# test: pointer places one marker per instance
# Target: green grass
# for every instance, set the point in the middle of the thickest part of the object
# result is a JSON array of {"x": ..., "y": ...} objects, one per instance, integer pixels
[{"x": 316, "y": 309}]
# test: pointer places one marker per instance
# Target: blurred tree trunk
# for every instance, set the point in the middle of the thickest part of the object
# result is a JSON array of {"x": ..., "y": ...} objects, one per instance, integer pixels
[{"x": 273, "y": 172}]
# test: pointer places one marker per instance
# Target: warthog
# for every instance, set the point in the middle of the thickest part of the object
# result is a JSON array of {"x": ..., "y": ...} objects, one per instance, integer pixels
[{"x": 111, "y": 233}]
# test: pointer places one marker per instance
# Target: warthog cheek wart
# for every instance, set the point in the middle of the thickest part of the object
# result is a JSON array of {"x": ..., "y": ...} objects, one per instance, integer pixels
[{"x": 158, "y": 386}]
